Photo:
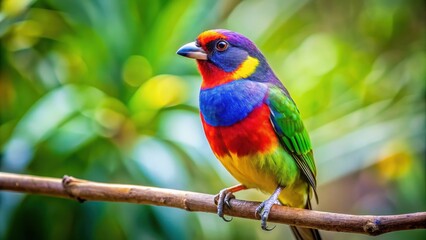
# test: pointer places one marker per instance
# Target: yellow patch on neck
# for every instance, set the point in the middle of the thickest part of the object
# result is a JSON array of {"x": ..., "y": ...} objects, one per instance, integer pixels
[{"x": 247, "y": 68}]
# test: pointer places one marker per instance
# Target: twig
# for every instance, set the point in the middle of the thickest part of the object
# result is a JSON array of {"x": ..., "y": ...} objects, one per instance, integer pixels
[{"x": 70, "y": 187}]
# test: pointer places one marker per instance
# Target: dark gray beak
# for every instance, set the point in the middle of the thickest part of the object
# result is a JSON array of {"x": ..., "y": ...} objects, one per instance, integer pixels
[{"x": 191, "y": 50}]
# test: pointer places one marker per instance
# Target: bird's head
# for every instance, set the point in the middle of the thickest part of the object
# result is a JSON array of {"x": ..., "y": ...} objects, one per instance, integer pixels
[{"x": 225, "y": 56}]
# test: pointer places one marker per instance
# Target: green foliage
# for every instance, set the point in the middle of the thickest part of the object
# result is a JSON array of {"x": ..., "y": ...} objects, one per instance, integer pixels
[{"x": 94, "y": 89}]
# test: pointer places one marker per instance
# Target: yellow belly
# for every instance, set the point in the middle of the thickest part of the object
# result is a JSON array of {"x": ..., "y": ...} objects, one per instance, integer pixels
[
  {"x": 255, "y": 171},
  {"x": 248, "y": 172}
]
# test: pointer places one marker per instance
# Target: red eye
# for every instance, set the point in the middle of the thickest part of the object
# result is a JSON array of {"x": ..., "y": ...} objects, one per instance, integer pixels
[{"x": 222, "y": 45}]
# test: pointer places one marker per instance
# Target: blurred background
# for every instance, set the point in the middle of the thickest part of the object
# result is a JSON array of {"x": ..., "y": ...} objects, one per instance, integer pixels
[{"x": 94, "y": 89}]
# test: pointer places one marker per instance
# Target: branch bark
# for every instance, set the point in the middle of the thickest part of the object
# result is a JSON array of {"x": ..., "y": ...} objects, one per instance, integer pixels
[{"x": 82, "y": 190}]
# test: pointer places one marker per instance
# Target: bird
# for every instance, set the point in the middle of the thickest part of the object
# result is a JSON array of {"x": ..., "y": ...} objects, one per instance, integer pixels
[{"x": 253, "y": 125}]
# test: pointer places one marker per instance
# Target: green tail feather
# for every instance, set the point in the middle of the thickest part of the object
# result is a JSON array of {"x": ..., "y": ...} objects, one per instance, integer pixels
[{"x": 306, "y": 233}]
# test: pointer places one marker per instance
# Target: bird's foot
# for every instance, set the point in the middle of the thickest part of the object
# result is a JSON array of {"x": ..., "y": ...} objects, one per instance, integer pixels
[
  {"x": 221, "y": 200},
  {"x": 265, "y": 207},
  {"x": 263, "y": 211},
  {"x": 224, "y": 197}
]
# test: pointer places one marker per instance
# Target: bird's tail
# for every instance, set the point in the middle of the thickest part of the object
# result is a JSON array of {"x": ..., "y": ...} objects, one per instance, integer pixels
[{"x": 306, "y": 233}]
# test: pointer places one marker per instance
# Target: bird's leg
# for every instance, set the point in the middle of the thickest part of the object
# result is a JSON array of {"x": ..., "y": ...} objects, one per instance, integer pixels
[
  {"x": 224, "y": 196},
  {"x": 265, "y": 207}
]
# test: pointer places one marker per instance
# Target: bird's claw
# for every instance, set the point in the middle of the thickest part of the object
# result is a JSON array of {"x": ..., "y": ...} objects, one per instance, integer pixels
[
  {"x": 228, "y": 197},
  {"x": 222, "y": 199},
  {"x": 226, "y": 219},
  {"x": 263, "y": 211}
]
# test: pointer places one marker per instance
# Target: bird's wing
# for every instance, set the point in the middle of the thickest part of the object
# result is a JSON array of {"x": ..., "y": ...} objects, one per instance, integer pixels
[{"x": 288, "y": 125}]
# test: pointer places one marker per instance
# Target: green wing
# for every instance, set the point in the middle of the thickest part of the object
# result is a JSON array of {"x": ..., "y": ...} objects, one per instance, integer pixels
[{"x": 288, "y": 125}]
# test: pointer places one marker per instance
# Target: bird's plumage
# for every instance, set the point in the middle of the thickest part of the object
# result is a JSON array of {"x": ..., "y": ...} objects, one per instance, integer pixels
[
  {"x": 251, "y": 122},
  {"x": 294, "y": 138}
]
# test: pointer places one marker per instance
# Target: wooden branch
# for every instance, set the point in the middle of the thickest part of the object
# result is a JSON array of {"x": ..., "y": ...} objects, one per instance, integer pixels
[{"x": 70, "y": 187}]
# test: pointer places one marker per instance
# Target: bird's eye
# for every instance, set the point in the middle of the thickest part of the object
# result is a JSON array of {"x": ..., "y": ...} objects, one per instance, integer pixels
[{"x": 222, "y": 45}]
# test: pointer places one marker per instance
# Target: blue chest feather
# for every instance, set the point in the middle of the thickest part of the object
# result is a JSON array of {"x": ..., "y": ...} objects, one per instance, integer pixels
[{"x": 230, "y": 103}]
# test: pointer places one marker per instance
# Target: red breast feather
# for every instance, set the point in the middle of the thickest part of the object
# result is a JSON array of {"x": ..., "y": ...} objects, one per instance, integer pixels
[{"x": 252, "y": 135}]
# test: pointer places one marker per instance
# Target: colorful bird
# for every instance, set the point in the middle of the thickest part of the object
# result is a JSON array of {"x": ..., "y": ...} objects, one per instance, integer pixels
[{"x": 253, "y": 125}]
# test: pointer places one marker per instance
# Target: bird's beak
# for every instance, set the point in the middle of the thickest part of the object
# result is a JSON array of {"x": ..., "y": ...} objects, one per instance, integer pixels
[{"x": 191, "y": 50}]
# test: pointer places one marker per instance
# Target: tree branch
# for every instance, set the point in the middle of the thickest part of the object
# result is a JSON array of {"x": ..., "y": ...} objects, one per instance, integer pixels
[{"x": 70, "y": 187}]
